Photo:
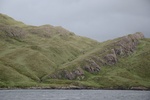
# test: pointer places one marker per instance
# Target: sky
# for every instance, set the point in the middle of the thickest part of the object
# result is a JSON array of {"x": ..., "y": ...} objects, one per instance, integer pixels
[{"x": 97, "y": 19}]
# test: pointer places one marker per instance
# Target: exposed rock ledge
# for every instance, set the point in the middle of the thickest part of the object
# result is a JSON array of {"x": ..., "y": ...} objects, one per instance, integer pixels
[
  {"x": 139, "y": 88},
  {"x": 123, "y": 46}
]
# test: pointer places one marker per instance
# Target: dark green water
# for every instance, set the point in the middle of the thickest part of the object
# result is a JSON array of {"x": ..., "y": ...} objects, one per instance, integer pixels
[{"x": 74, "y": 95}]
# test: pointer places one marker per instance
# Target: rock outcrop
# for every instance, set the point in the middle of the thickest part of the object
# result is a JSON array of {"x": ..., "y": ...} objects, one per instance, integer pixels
[
  {"x": 69, "y": 74},
  {"x": 127, "y": 44},
  {"x": 122, "y": 47},
  {"x": 12, "y": 31},
  {"x": 111, "y": 58},
  {"x": 49, "y": 31},
  {"x": 91, "y": 66}
]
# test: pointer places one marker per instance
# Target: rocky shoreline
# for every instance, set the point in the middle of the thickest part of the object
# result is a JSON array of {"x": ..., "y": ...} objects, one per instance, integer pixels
[{"x": 77, "y": 88}]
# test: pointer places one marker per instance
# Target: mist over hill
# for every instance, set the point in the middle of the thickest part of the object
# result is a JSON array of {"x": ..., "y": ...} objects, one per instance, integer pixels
[{"x": 52, "y": 57}]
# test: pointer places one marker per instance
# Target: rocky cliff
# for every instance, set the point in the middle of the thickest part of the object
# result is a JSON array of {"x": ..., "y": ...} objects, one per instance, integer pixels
[{"x": 121, "y": 47}]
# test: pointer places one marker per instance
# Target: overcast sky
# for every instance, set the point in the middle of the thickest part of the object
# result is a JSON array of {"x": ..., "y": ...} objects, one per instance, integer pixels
[{"x": 97, "y": 19}]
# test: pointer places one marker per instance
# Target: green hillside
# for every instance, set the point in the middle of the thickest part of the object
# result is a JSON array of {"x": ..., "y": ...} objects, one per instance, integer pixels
[
  {"x": 52, "y": 57},
  {"x": 6, "y": 20}
]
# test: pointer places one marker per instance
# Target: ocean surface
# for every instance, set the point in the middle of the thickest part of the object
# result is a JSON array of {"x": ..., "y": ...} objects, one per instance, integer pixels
[{"x": 74, "y": 95}]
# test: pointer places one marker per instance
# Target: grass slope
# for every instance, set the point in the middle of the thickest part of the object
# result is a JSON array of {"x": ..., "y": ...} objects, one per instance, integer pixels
[
  {"x": 6, "y": 20},
  {"x": 43, "y": 49},
  {"x": 29, "y": 54}
]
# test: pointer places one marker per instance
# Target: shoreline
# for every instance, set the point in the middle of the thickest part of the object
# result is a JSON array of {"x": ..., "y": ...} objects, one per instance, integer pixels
[{"x": 75, "y": 88}]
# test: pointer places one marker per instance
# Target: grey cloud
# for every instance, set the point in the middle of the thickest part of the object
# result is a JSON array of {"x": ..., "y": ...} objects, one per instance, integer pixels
[{"x": 97, "y": 19}]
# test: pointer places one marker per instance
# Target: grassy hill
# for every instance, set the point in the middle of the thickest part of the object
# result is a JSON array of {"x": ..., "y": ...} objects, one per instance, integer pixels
[{"x": 53, "y": 57}]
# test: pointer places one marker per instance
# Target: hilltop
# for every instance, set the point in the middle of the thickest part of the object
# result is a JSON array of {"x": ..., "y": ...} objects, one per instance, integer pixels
[{"x": 52, "y": 57}]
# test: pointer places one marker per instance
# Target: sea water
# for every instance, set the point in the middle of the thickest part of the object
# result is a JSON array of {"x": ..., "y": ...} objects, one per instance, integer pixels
[{"x": 74, "y": 95}]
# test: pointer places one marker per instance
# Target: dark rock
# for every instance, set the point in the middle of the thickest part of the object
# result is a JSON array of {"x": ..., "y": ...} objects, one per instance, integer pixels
[
  {"x": 111, "y": 58},
  {"x": 92, "y": 67},
  {"x": 78, "y": 72},
  {"x": 69, "y": 74},
  {"x": 73, "y": 74},
  {"x": 98, "y": 60},
  {"x": 118, "y": 51}
]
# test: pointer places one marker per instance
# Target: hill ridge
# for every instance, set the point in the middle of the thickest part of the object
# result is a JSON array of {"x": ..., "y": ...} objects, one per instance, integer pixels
[{"x": 53, "y": 57}]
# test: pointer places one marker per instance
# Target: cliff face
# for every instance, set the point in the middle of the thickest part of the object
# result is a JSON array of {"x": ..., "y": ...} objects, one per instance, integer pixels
[{"x": 121, "y": 47}]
